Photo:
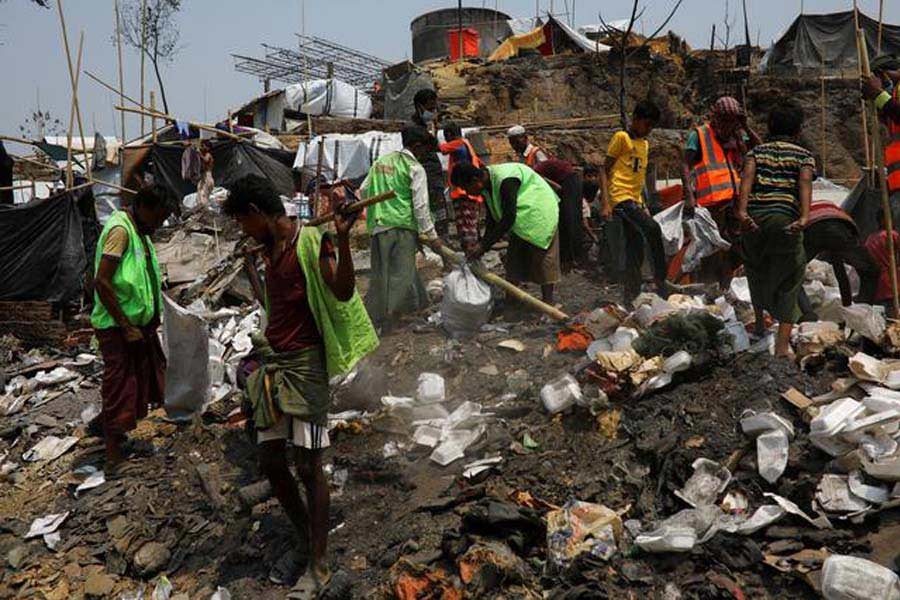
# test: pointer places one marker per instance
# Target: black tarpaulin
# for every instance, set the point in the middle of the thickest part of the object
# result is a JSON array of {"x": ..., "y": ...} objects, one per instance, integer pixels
[
  {"x": 827, "y": 43},
  {"x": 232, "y": 160},
  {"x": 42, "y": 254}
]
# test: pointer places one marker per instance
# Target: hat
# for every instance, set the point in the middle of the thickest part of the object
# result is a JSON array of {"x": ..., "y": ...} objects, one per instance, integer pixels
[
  {"x": 885, "y": 62},
  {"x": 727, "y": 106},
  {"x": 515, "y": 131}
]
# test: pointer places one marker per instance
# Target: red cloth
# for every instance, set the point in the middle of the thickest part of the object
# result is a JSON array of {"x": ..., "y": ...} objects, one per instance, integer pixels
[
  {"x": 821, "y": 211},
  {"x": 291, "y": 322},
  {"x": 133, "y": 378},
  {"x": 876, "y": 244},
  {"x": 575, "y": 338},
  {"x": 467, "y": 213},
  {"x": 555, "y": 169}
]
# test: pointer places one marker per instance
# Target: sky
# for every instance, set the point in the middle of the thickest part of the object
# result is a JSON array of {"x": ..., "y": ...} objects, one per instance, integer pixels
[{"x": 201, "y": 82}]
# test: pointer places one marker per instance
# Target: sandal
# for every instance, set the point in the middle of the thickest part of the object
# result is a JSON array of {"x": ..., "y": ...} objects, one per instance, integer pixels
[{"x": 310, "y": 585}]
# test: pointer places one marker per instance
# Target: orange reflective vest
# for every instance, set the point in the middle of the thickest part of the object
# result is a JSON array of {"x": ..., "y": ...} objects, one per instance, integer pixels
[
  {"x": 716, "y": 174},
  {"x": 457, "y": 192},
  {"x": 892, "y": 150},
  {"x": 531, "y": 157}
]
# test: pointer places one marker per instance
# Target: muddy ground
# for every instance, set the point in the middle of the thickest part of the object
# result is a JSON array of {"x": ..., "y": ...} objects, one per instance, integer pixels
[{"x": 635, "y": 453}]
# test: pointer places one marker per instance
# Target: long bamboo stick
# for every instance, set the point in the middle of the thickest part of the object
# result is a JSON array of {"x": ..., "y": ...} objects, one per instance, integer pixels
[
  {"x": 115, "y": 91},
  {"x": 153, "y": 118},
  {"x": 18, "y": 140},
  {"x": 72, "y": 79},
  {"x": 863, "y": 105},
  {"x": 169, "y": 117},
  {"x": 568, "y": 121},
  {"x": 143, "y": 42},
  {"x": 328, "y": 217},
  {"x": 882, "y": 179},
  {"x": 880, "y": 23},
  {"x": 824, "y": 150},
  {"x": 494, "y": 279},
  {"x": 69, "y": 177},
  {"x": 121, "y": 72}
]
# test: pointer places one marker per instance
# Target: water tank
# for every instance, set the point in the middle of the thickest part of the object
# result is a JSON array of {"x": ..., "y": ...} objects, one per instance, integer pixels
[{"x": 429, "y": 31}]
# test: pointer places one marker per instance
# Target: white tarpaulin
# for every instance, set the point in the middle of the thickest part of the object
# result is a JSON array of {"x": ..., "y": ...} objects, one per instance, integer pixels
[
  {"x": 355, "y": 153},
  {"x": 328, "y": 97}
]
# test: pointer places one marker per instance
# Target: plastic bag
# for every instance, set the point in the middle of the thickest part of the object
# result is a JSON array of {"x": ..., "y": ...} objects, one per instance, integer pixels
[
  {"x": 466, "y": 304},
  {"x": 187, "y": 350}
]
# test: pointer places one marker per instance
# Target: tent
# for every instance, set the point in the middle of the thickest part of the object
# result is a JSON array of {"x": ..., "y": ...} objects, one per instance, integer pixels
[
  {"x": 277, "y": 109},
  {"x": 826, "y": 43},
  {"x": 233, "y": 160},
  {"x": 44, "y": 247},
  {"x": 552, "y": 37}
]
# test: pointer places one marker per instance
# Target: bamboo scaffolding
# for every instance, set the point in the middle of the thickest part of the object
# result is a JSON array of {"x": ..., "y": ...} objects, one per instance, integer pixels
[{"x": 882, "y": 179}]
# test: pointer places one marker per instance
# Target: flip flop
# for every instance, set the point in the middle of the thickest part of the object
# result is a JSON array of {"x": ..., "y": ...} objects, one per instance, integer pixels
[
  {"x": 285, "y": 569},
  {"x": 309, "y": 586}
]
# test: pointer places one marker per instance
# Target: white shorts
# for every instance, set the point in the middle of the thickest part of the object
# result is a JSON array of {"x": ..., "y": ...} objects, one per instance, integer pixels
[{"x": 301, "y": 434}]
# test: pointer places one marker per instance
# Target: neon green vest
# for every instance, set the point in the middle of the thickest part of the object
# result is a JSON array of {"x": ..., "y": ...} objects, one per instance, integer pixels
[
  {"x": 537, "y": 209},
  {"x": 138, "y": 293},
  {"x": 391, "y": 172},
  {"x": 345, "y": 326}
]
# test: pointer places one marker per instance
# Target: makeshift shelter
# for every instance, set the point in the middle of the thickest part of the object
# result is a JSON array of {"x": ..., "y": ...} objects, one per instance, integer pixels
[
  {"x": 284, "y": 110},
  {"x": 552, "y": 37},
  {"x": 45, "y": 246},
  {"x": 817, "y": 44},
  {"x": 232, "y": 160}
]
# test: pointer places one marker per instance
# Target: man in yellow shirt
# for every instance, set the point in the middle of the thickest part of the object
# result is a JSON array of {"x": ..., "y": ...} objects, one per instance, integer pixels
[{"x": 621, "y": 187}]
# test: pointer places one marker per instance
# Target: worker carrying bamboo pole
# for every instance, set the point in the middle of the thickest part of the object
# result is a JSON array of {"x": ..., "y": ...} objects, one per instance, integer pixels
[
  {"x": 522, "y": 204},
  {"x": 317, "y": 328},
  {"x": 883, "y": 86},
  {"x": 394, "y": 226}
]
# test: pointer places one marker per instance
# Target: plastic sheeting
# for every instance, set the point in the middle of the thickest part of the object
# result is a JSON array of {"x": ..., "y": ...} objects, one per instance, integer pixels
[
  {"x": 328, "y": 98},
  {"x": 42, "y": 254},
  {"x": 232, "y": 160},
  {"x": 355, "y": 153},
  {"x": 819, "y": 43},
  {"x": 704, "y": 241}
]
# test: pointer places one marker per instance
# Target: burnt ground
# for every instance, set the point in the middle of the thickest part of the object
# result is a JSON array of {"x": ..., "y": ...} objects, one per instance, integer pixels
[{"x": 408, "y": 507}]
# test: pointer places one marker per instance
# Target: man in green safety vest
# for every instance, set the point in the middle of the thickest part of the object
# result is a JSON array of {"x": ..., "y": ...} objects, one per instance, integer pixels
[
  {"x": 317, "y": 329},
  {"x": 127, "y": 301},
  {"x": 520, "y": 202},
  {"x": 395, "y": 225}
]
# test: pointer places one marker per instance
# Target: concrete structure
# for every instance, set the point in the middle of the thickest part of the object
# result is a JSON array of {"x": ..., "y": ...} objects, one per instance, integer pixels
[{"x": 429, "y": 31}]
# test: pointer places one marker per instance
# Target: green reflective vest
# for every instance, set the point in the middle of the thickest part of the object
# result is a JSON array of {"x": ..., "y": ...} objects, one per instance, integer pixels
[
  {"x": 391, "y": 172},
  {"x": 346, "y": 329},
  {"x": 137, "y": 286},
  {"x": 537, "y": 209}
]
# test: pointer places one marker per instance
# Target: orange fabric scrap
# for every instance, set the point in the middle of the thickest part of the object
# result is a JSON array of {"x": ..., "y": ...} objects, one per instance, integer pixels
[{"x": 575, "y": 338}]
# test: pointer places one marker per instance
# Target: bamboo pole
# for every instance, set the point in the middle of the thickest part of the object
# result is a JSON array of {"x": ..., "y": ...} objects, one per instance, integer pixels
[
  {"x": 494, "y": 279},
  {"x": 568, "y": 121},
  {"x": 114, "y": 186},
  {"x": 18, "y": 140},
  {"x": 880, "y": 23},
  {"x": 329, "y": 216},
  {"x": 69, "y": 176},
  {"x": 121, "y": 72},
  {"x": 143, "y": 41},
  {"x": 318, "y": 180},
  {"x": 882, "y": 180},
  {"x": 862, "y": 103},
  {"x": 115, "y": 91},
  {"x": 169, "y": 117},
  {"x": 153, "y": 118},
  {"x": 824, "y": 150},
  {"x": 72, "y": 78}
]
